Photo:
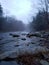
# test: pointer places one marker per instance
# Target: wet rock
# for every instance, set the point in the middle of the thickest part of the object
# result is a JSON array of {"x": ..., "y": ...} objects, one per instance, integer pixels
[
  {"x": 42, "y": 32},
  {"x": 10, "y": 34},
  {"x": 23, "y": 39},
  {"x": 43, "y": 62},
  {"x": 45, "y": 36},
  {"x": 34, "y": 34},
  {"x": 44, "y": 42},
  {"x": 8, "y": 59},
  {"x": 0, "y": 38},
  {"x": 46, "y": 55},
  {"x": 16, "y": 45},
  {"x": 24, "y": 50},
  {"x": 29, "y": 35},
  {"x": 30, "y": 43},
  {"x": 15, "y": 35},
  {"x": 33, "y": 43}
]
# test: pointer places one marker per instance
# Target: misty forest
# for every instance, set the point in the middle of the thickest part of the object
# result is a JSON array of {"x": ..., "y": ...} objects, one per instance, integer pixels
[{"x": 24, "y": 32}]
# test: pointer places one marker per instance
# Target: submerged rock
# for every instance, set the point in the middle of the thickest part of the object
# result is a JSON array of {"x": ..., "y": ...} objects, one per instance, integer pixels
[
  {"x": 24, "y": 34},
  {"x": 10, "y": 34},
  {"x": 23, "y": 39},
  {"x": 0, "y": 38},
  {"x": 16, "y": 45}
]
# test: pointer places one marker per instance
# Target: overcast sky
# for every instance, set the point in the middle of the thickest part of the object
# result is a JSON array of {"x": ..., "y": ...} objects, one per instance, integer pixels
[{"x": 22, "y": 9}]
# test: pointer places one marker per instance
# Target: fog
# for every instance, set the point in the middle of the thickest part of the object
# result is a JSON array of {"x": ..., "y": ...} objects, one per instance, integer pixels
[
  {"x": 24, "y": 32},
  {"x": 21, "y": 9}
]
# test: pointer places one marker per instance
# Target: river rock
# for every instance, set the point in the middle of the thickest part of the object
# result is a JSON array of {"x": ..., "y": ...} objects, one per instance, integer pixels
[
  {"x": 33, "y": 34},
  {"x": 43, "y": 62}
]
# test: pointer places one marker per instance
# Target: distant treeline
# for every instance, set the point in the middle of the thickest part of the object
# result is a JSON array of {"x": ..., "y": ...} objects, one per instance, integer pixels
[
  {"x": 41, "y": 21},
  {"x": 10, "y": 23}
]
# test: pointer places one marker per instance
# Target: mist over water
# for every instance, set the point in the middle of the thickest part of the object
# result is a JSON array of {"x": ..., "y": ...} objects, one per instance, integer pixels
[
  {"x": 20, "y": 9},
  {"x": 24, "y": 32}
]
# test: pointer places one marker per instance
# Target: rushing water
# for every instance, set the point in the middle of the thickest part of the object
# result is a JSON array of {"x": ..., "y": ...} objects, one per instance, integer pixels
[
  {"x": 16, "y": 45},
  {"x": 8, "y": 63},
  {"x": 9, "y": 43}
]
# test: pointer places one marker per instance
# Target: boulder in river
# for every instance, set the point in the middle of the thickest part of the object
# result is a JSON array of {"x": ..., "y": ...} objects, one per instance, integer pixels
[
  {"x": 33, "y": 34},
  {"x": 45, "y": 36},
  {"x": 14, "y": 35},
  {"x": 23, "y": 39}
]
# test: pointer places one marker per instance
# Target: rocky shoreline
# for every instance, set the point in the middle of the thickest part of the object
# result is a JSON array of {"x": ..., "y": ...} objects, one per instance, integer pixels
[{"x": 35, "y": 52}]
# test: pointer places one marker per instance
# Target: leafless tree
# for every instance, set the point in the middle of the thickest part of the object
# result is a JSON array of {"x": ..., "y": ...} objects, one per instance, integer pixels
[{"x": 44, "y": 6}]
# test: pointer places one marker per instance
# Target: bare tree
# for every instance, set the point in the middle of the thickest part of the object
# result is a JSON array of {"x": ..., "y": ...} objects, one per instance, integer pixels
[
  {"x": 44, "y": 6},
  {"x": 1, "y": 11}
]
